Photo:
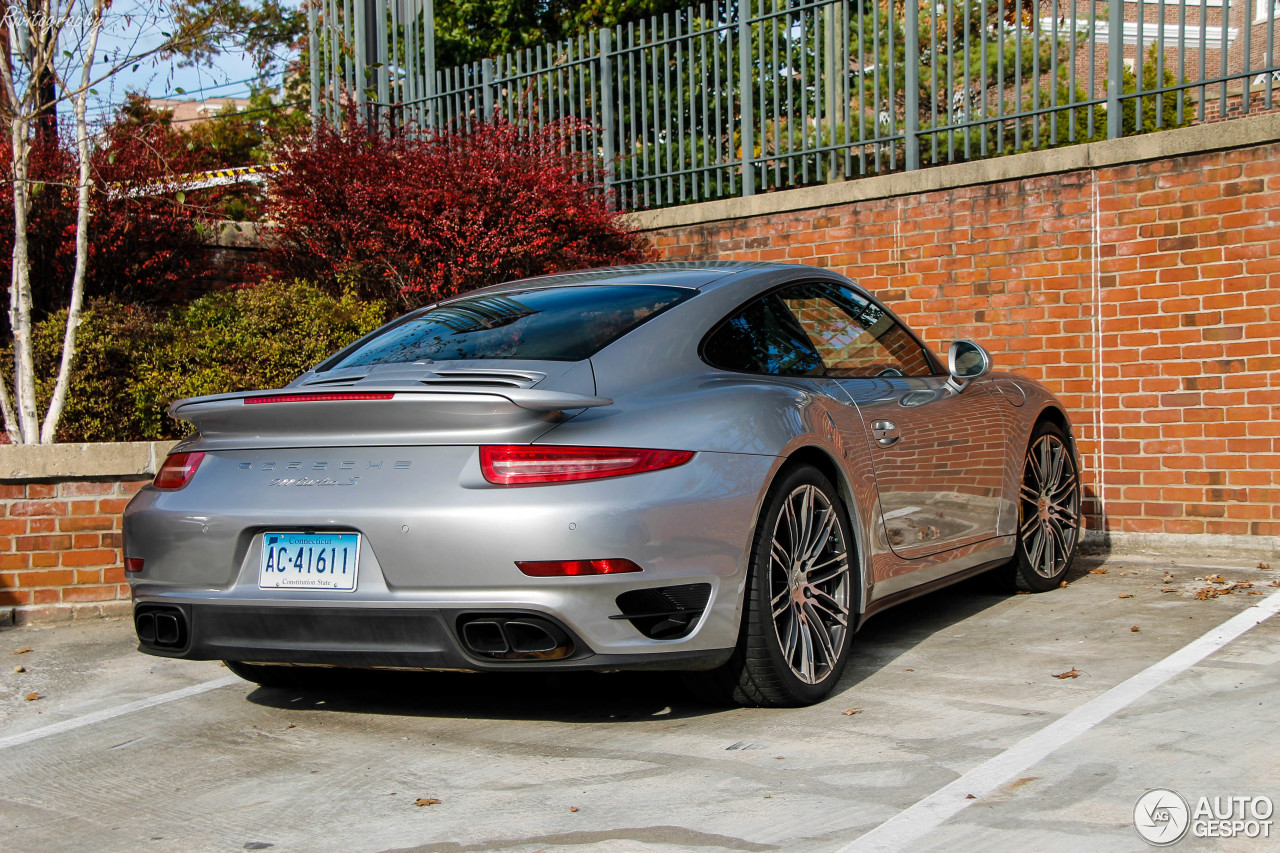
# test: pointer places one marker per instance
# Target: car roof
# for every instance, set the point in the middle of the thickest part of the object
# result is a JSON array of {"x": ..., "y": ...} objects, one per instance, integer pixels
[{"x": 689, "y": 274}]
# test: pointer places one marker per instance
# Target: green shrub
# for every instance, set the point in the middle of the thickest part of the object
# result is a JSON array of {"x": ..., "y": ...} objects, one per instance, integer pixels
[
  {"x": 110, "y": 343},
  {"x": 235, "y": 340},
  {"x": 131, "y": 362}
]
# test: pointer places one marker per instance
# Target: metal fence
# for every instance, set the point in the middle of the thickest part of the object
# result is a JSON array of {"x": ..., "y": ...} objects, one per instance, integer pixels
[{"x": 736, "y": 98}]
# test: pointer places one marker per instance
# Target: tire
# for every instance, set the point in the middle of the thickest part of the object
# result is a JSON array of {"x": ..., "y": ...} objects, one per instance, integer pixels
[
  {"x": 1048, "y": 512},
  {"x": 267, "y": 675},
  {"x": 797, "y": 614}
]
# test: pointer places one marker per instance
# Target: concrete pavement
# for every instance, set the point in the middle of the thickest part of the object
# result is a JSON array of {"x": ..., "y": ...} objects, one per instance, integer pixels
[{"x": 628, "y": 762}]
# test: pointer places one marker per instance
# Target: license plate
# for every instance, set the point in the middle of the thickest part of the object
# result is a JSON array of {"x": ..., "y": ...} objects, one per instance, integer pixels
[{"x": 309, "y": 560}]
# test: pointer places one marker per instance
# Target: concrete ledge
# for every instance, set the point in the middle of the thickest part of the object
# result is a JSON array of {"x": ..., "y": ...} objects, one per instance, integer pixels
[
  {"x": 81, "y": 461},
  {"x": 43, "y": 614},
  {"x": 1233, "y": 133},
  {"x": 1182, "y": 545}
]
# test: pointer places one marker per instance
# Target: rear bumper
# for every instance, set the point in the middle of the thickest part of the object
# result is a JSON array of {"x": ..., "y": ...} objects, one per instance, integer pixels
[
  {"x": 436, "y": 537},
  {"x": 403, "y": 638}
]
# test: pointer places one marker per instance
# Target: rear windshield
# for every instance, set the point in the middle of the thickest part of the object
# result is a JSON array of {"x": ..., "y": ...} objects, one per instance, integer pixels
[{"x": 557, "y": 324}]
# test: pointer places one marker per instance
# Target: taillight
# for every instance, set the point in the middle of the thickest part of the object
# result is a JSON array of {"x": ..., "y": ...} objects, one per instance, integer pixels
[
  {"x": 576, "y": 568},
  {"x": 521, "y": 465},
  {"x": 177, "y": 470}
]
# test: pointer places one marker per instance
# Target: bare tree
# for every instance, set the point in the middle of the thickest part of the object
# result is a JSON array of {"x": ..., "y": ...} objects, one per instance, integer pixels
[{"x": 55, "y": 53}]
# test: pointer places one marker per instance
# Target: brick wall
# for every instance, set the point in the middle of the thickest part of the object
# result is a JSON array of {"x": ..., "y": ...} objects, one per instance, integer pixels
[
  {"x": 60, "y": 509},
  {"x": 1146, "y": 294},
  {"x": 60, "y": 548}
]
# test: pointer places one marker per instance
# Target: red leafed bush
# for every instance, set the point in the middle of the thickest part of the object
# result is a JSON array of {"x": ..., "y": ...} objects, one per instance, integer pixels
[
  {"x": 143, "y": 247},
  {"x": 411, "y": 218}
]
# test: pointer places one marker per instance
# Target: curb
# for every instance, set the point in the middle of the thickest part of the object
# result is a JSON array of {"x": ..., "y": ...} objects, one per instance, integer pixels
[{"x": 1177, "y": 546}]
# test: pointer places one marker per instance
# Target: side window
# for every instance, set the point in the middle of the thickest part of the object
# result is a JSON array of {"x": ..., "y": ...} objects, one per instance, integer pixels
[
  {"x": 763, "y": 337},
  {"x": 855, "y": 336}
]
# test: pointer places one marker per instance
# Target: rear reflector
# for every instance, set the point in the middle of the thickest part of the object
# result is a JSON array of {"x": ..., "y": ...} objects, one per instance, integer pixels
[
  {"x": 177, "y": 470},
  {"x": 133, "y": 564},
  {"x": 573, "y": 568},
  {"x": 318, "y": 398},
  {"x": 521, "y": 465}
]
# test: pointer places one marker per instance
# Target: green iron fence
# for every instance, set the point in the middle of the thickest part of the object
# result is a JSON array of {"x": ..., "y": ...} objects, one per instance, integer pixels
[{"x": 726, "y": 99}]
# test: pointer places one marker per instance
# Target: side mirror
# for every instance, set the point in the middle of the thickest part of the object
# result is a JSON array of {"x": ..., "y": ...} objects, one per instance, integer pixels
[{"x": 966, "y": 362}]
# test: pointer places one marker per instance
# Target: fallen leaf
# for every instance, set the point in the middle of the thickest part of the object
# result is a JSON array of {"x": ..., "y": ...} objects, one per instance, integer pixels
[
  {"x": 1243, "y": 585},
  {"x": 1216, "y": 579},
  {"x": 1264, "y": 566},
  {"x": 1168, "y": 590},
  {"x": 1062, "y": 585},
  {"x": 1255, "y": 592},
  {"x": 1207, "y": 593},
  {"x": 1097, "y": 571},
  {"x": 575, "y": 808},
  {"x": 970, "y": 797},
  {"x": 1022, "y": 592},
  {"x": 1126, "y": 595},
  {"x": 290, "y": 726},
  {"x": 852, "y": 711},
  {"x": 21, "y": 651},
  {"x": 31, "y": 697},
  {"x": 1135, "y": 629},
  {"x": 19, "y": 669},
  {"x": 911, "y": 670},
  {"x": 1168, "y": 578},
  {"x": 1071, "y": 673},
  {"x": 424, "y": 801},
  {"x": 1275, "y": 583}
]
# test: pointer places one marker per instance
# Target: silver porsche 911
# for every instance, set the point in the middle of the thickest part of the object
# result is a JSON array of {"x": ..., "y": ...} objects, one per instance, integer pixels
[{"x": 722, "y": 468}]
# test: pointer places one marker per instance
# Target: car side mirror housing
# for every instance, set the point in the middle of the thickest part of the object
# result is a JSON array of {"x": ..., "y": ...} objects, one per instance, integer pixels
[{"x": 966, "y": 361}]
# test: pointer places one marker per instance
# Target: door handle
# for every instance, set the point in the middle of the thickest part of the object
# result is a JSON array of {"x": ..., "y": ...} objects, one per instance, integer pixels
[{"x": 885, "y": 433}]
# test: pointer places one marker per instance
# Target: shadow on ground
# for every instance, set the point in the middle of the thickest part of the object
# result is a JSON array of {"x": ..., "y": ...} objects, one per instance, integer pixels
[{"x": 590, "y": 697}]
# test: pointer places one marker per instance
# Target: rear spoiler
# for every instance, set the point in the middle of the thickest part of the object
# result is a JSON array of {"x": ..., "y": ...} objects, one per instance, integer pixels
[{"x": 451, "y": 414}]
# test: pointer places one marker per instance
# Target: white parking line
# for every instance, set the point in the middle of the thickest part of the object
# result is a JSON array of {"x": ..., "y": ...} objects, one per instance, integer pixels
[
  {"x": 120, "y": 710},
  {"x": 908, "y": 826}
]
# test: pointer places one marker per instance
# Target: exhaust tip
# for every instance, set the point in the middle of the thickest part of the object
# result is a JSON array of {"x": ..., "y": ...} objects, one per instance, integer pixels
[
  {"x": 485, "y": 637},
  {"x": 145, "y": 625},
  {"x": 514, "y": 637},
  {"x": 160, "y": 627},
  {"x": 532, "y": 638}
]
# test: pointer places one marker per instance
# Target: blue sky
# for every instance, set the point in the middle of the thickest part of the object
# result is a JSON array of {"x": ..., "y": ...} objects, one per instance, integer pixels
[{"x": 228, "y": 77}]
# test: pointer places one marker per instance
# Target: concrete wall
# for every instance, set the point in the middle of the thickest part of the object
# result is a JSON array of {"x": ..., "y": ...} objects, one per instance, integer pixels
[
  {"x": 1138, "y": 278},
  {"x": 60, "y": 509}
]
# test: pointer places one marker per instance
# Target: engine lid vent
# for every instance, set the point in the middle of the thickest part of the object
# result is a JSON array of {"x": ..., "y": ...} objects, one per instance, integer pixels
[
  {"x": 493, "y": 378},
  {"x": 419, "y": 374}
]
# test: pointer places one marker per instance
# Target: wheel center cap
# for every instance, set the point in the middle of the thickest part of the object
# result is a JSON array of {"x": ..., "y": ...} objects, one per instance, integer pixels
[{"x": 1042, "y": 507}]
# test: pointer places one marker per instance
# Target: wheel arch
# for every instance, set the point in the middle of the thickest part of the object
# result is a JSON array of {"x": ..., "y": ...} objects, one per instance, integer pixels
[{"x": 1056, "y": 415}]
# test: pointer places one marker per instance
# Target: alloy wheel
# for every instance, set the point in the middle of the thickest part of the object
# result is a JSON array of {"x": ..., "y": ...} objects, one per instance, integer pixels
[
  {"x": 809, "y": 583},
  {"x": 1049, "y": 506}
]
